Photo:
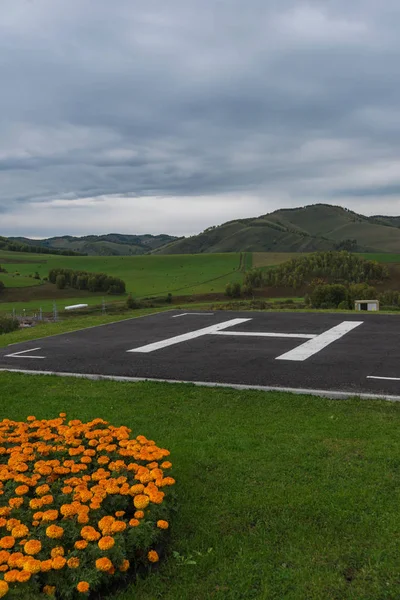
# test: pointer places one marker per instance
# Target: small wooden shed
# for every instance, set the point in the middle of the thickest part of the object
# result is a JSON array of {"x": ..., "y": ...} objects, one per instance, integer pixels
[{"x": 370, "y": 305}]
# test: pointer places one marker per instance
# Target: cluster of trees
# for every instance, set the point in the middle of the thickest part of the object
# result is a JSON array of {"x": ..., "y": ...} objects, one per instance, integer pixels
[
  {"x": 13, "y": 246},
  {"x": 82, "y": 280},
  {"x": 337, "y": 295},
  {"x": 332, "y": 267}
]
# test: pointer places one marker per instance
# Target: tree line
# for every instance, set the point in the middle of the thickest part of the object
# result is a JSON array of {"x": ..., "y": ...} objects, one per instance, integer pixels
[
  {"x": 83, "y": 280},
  {"x": 12, "y": 246},
  {"x": 330, "y": 267}
]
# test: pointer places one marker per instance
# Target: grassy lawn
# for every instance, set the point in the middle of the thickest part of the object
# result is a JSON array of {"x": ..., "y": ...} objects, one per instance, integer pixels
[
  {"x": 383, "y": 258},
  {"x": 297, "y": 497},
  {"x": 17, "y": 281}
]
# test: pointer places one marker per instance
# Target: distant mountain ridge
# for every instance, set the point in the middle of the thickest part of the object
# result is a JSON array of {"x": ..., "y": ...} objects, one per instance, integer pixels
[
  {"x": 112, "y": 244},
  {"x": 312, "y": 228}
]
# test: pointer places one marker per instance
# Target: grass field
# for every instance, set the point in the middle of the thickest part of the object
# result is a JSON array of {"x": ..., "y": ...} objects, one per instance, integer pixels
[
  {"x": 383, "y": 258},
  {"x": 280, "y": 497},
  {"x": 145, "y": 276},
  {"x": 16, "y": 281}
]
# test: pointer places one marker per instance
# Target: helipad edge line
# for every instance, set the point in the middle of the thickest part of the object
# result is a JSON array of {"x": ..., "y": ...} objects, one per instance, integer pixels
[{"x": 332, "y": 394}]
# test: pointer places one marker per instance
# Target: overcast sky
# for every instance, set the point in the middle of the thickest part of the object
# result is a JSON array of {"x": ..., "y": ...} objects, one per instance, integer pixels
[{"x": 150, "y": 116}]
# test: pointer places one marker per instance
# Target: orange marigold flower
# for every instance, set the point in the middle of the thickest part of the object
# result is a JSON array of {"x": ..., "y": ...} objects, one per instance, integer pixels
[
  {"x": 49, "y": 590},
  {"x": 4, "y": 511},
  {"x": 83, "y": 587},
  {"x": 46, "y": 565},
  {"x": 67, "y": 489},
  {"x": 58, "y": 563},
  {"x": 73, "y": 563},
  {"x": 48, "y": 499},
  {"x": 125, "y": 566},
  {"x": 134, "y": 522},
  {"x": 118, "y": 526},
  {"x": 153, "y": 556},
  {"x": 120, "y": 513},
  {"x": 62, "y": 415},
  {"x": 50, "y": 515},
  {"x": 105, "y": 543},
  {"x": 21, "y": 490},
  {"x": 139, "y": 514},
  {"x": 141, "y": 501},
  {"x": 7, "y": 542},
  {"x": 103, "y": 460},
  {"x": 4, "y": 556},
  {"x": 57, "y": 551},
  {"x": 32, "y": 547},
  {"x": 42, "y": 490},
  {"x": 11, "y": 576},
  {"x": 35, "y": 503},
  {"x": 80, "y": 544},
  {"x": 16, "y": 502},
  {"x": 31, "y": 418},
  {"x": 3, "y": 522},
  {"x": 105, "y": 524},
  {"x": 90, "y": 534},
  {"x": 166, "y": 464},
  {"x": 3, "y": 588},
  {"x": 14, "y": 557},
  {"x": 136, "y": 489},
  {"x": 20, "y": 531},
  {"x": 3, "y": 568},
  {"x": 23, "y": 576},
  {"x": 54, "y": 531},
  {"x": 103, "y": 564},
  {"x": 162, "y": 524}
]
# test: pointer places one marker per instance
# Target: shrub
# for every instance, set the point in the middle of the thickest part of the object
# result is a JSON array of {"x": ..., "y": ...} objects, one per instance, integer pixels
[
  {"x": 344, "y": 305},
  {"x": 8, "y": 324},
  {"x": 168, "y": 299},
  {"x": 328, "y": 296},
  {"x": 2, "y": 286},
  {"x": 361, "y": 291},
  {"x": 82, "y": 505},
  {"x": 389, "y": 298},
  {"x": 131, "y": 302}
]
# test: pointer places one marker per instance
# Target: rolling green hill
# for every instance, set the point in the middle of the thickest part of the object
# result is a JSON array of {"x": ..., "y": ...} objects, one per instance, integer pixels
[
  {"x": 312, "y": 228},
  {"x": 112, "y": 244}
]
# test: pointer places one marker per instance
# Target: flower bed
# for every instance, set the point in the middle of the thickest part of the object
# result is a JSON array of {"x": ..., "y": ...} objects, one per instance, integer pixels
[{"x": 82, "y": 506}]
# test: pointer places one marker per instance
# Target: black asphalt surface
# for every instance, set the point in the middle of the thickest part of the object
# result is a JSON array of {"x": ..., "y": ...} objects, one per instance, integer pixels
[{"x": 371, "y": 349}]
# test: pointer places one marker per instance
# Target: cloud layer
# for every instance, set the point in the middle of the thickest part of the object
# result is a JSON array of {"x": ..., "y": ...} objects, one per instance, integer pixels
[{"x": 172, "y": 116}]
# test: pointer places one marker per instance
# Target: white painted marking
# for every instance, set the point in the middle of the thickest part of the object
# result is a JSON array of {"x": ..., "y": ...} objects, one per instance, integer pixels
[
  {"x": 385, "y": 378},
  {"x": 320, "y": 342},
  {"x": 188, "y": 336},
  {"x": 301, "y": 336},
  {"x": 334, "y": 394},
  {"x": 23, "y": 354},
  {"x": 201, "y": 314}
]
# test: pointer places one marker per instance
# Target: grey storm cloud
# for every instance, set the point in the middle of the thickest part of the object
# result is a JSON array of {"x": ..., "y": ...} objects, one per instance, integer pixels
[{"x": 273, "y": 102}]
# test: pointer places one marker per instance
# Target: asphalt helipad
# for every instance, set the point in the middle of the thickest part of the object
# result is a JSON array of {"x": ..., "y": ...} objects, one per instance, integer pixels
[{"x": 335, "y": 354}]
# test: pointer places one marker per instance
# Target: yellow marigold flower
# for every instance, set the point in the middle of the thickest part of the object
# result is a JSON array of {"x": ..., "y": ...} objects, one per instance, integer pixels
[
  {"x": 20, "y": 531},
  {"x": 80, "y": 544},
  {"x": 118, "y": 527},
  {"x": 16, "y": 502},
  {"x": 4, "y": 511},
  {"x": 83, "y": 587},
  {"x": 141, "y": 501},
  {"x": 42, "y": 489},
  {"x": 23, "y": 576},
  {"x": 134, "y": 522},
  {"x": 105, "y": 543},
  {"x": 54, "y": 531},
  {"x": 162, "y": 524},
  {"x": 58, "y": 563},
  {"x": 49, "y": 590},
  {"x": 32, "y": 565},
  {"x": 73, "y": 562},
  {"x": 139, "y": 514},
  {"x": 57, "y": 551},
  {"x": 46, "y": 565},
  {"x": 50, "y": 515},
  {"x": 3, "y": 588},
  {"x": 103, "y": 564},
  {"x": 153, "y": 556},
  {"x": 21, "y": 490},
  {"x": 125, "y": 566},
  {"x": 32, "y": 547},
  {"x": 90, "y": 534},
  {"x": 7, "y": 542}
]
